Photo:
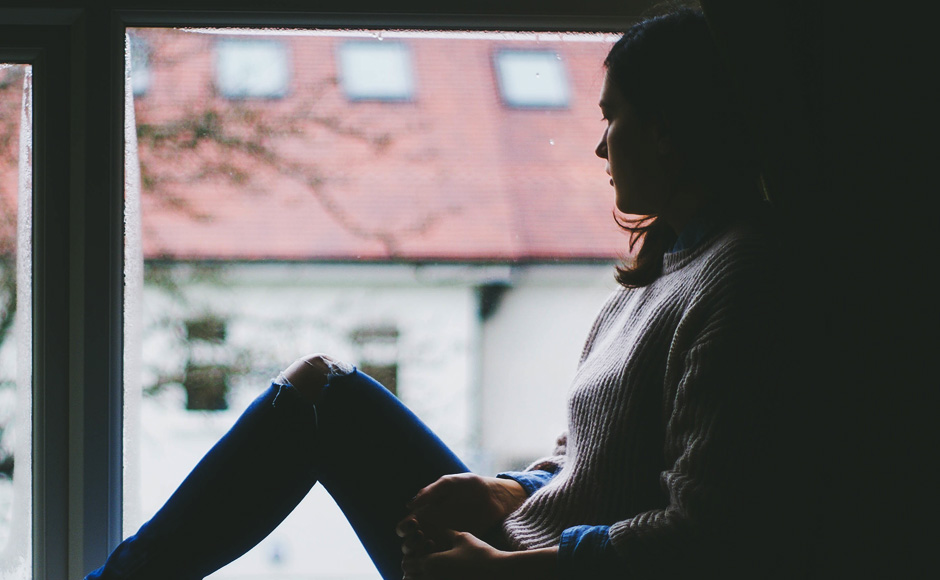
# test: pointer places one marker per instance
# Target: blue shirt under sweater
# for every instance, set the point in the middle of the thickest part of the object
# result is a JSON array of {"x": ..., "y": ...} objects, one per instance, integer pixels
[{"x": 585, "y": 551}]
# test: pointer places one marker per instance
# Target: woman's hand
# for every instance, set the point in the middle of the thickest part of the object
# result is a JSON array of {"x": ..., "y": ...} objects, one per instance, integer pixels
[
  {"x": 463, "y": 502},
  {"x": 466, "y": 557},
  {"x": 469, "y": 558}
]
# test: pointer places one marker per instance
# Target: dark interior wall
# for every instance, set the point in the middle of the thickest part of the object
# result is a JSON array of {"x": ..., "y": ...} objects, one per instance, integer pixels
[
  {"x": 774, "y": 51},
  {"x": 836, "y": 95}
]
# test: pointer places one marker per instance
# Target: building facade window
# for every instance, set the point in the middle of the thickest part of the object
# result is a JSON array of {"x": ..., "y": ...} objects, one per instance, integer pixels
[
  {"x": 377, "y": 347},
  {"x": 208, "y": 368},
  {"x": 532, "y": 79},
  {"x": 252, "y": 68},
  {"x": 376, "y": 71}
]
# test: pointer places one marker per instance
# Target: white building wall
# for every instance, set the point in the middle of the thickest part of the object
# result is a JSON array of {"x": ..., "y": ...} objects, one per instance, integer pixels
[
  {"x": 494, "y": 391},
  {"x": 531, "y": 347},
  {"x": 277, "y": 313}
]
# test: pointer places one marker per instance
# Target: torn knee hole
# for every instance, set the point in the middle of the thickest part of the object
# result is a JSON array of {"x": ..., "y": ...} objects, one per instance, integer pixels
[{"x": 313, "y": 371}]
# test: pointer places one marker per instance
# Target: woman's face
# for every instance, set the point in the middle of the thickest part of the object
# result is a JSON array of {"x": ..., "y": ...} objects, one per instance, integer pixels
[{"x": 634, "y": 152}]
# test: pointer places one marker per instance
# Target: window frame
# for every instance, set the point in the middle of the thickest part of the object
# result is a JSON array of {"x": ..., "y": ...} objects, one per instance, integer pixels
[
  {"x": 77, "y": 56},
  {"x": 58, "y": 194}
]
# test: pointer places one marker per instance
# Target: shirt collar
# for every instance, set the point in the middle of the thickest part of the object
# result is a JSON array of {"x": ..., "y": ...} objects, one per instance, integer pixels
[{"x": 698, "y": 228}]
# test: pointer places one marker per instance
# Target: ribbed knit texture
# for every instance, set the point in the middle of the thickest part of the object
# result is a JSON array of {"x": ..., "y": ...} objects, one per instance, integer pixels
[{"x": 661, "y": 442}]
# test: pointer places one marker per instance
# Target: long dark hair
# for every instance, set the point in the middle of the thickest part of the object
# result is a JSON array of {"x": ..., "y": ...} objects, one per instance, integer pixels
[{"x": 669, "y": 68}]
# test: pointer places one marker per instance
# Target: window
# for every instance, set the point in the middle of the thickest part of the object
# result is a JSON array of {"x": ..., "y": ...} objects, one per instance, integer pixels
[
  {"x": 376, "y": 70},
  {"x": 378, "y": 354},
  {"x": 315, "y": 224},
  {"x": 208, "y": 368},
  {"x": 532, "y": 79},
  {"x": 250, "y": 68},
  {"x": 79, "y": 295}
]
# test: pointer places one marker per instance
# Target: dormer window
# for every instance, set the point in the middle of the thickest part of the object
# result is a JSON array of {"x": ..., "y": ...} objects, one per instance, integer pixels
[
  {"x": 376, "y": 71},
  {"x": 251, "y": 68},
  {"x": 532, "y": 79}
]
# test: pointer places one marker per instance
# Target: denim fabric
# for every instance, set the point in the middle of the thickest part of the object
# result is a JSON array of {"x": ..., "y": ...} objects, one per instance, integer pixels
[
  {"x": 586, "y": 552},
  {"x": 367, "y": 449},
  {"x": 531, "y": 481},
  {"x": 703, "y": 224}
]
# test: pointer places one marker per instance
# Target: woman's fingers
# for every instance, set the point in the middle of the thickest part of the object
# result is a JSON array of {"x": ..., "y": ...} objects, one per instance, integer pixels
[
  {"x": 443, "y": 489},
  {"x": 426, "y": 495},
  {"x": 415, "y": 541},
  {"x": 416, "y": 565},
  {"x": 407, "y": 526},
  {"x": 413, "y": 545},
  {"x": 411, "y": 566},
  {"x": 466, "y": 558}
]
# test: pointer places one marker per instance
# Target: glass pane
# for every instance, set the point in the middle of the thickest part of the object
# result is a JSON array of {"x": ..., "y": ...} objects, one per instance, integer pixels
[
  {"x": 454, "y": 245},
  {"x": 15, "y": 320}
]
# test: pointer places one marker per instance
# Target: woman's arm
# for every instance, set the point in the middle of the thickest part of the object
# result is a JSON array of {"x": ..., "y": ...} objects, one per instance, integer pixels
[
  {"x": 469, "y": 558},
  {"x": 541, "y": 563}
]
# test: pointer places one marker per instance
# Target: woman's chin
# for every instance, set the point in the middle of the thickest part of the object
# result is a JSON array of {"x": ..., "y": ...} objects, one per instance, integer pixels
[
  {"x": 631, "y": 207},
  {"x": 624, "y": 207}
]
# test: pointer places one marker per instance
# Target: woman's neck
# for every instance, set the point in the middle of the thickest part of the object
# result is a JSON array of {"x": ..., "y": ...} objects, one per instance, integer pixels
[{"x": 684, "y": 205}]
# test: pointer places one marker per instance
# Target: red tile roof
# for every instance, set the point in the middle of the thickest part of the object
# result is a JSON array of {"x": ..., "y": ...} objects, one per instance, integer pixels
[{"x": 454, "y": 174}]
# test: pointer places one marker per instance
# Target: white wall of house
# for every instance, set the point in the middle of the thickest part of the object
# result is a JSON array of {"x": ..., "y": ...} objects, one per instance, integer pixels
[
  {"x": 531, "y": 346},
  {"x": 494, "y": 390}
]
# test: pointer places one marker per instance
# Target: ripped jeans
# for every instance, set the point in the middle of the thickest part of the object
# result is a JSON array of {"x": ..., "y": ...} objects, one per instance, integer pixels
[{"x": 359, "y": 441}]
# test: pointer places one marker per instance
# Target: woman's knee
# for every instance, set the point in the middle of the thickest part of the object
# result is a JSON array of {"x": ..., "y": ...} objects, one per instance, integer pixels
[{"x": 309, "y": 374}]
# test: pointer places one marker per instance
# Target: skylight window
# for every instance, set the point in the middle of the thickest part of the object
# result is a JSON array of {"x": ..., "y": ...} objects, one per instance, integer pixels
[
  {"x": 376, "y": 71},
  {"x": 532, "y": 79},
  {"x": 252, "y": 68}
]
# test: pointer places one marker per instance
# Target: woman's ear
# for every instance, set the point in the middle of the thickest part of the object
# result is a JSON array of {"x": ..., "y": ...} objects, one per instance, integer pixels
[{"x": 660, "y": 133}]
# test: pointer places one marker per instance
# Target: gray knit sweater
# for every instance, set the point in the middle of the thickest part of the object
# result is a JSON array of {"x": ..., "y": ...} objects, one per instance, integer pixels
[{"x": 664, "y": 414}]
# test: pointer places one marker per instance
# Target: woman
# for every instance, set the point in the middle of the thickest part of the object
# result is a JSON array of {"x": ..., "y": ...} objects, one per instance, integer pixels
[{"x": 662, "y": 468}]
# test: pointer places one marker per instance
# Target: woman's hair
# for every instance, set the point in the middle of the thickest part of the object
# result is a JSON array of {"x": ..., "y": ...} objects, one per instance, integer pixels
[{"x": 668, "y": 68}]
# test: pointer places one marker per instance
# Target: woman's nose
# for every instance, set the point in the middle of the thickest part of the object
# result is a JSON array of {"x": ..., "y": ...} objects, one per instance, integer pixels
[{"x": 601, "y": 149}]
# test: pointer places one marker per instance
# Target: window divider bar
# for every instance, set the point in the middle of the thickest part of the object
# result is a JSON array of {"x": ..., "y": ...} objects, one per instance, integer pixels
[{"x": 97, "y": 459}]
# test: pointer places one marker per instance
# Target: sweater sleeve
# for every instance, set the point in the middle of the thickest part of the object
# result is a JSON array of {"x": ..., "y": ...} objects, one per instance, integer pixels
[{"x": 713, "y": 451}]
